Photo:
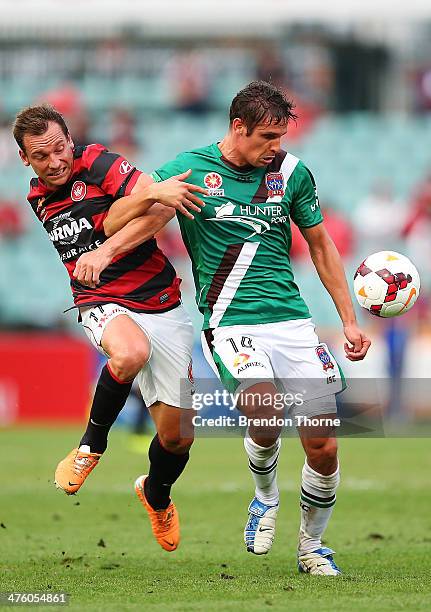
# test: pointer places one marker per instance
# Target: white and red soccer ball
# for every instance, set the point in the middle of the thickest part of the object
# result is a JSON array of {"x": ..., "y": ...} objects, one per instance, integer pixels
[{"x": 387, "y": 284}]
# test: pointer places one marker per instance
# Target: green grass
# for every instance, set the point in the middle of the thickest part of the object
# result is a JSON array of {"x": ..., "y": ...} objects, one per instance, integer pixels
[{"x": 381, "y": 529}]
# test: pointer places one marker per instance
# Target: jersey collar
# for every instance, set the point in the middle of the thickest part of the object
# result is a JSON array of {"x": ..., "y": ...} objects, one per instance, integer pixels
[{"x": 241, "y": 169}]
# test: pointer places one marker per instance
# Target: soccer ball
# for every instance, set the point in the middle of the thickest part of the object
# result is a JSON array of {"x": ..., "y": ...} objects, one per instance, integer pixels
[{"x": 387, "y": 284}]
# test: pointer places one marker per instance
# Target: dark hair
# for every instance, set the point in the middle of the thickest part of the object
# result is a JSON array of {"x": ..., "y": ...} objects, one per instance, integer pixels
[
  {"x": 34, "y": 120},
  {"x": 260, "y": 100}
]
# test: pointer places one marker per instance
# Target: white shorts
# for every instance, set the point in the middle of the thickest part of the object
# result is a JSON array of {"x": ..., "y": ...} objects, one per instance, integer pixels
[
  {"x": 288, "y": 353},
  {"x": 167, "y": 376}
]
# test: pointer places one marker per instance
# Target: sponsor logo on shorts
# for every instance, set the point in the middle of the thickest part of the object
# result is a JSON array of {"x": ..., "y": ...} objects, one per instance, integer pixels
[
  {"x": 250, "y": 364},
  {"x": 78, "y": 191},
  {"x": 324, "y": 358},
  {"x": 240, "y": 359},
  {"x": 274, "y": 183},
  {"x": 101, "y": 322}
]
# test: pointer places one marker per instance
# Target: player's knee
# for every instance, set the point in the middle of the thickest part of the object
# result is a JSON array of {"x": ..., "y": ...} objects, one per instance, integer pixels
[
  {"x": 127, "y": 361},
  {"x": 174, "y": 443}
]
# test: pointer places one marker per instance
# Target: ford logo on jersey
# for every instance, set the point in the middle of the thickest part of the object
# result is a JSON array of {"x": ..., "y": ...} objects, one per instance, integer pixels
[{"x": 274, "y": 183}]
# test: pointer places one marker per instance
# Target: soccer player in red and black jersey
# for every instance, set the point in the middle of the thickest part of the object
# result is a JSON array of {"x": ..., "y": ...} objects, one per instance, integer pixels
[{"x": 132, "y": 312}]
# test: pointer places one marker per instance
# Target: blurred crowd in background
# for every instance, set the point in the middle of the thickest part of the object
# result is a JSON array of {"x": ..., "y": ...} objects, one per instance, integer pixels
[{"x": 364, "y": 130}]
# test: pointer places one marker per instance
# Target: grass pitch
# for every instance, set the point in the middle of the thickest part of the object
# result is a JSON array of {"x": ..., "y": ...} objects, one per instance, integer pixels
[{"x": 97, "y": 546}]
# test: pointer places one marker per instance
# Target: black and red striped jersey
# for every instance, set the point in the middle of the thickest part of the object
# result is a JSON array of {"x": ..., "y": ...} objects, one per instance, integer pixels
[{"x": 141, "y": 279}]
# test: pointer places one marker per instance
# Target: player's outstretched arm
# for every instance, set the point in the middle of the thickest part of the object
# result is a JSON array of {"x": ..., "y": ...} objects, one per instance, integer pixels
[
  {"x": 330, "y": 268},
  {"x": 90, "y": 265},
  {"x": 174, "y": 193}
]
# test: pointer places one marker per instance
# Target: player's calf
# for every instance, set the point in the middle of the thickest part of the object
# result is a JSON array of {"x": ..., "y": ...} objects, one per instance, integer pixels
[
  {"x": 165, "y": 469},
  {"x": 318, "y": 497},
  {"x": 109, "y": 399}
]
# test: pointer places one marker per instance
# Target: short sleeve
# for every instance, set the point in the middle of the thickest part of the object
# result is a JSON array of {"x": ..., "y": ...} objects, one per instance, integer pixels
[
  {"x": 113, "y": 172},
  {"x": 305, "y": 209},
  {"x": 171, "y": 168}
]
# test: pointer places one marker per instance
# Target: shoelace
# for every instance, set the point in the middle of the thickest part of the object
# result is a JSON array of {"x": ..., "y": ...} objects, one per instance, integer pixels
[
  {"x": 324, "y": 561},
  {"x": 164, "y": 520},
  {"x": 252, "y": 523},
  {"x": 81, "y": 464}
]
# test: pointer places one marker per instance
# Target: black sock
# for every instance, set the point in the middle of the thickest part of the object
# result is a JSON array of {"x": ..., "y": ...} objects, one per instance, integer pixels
[
  {"x": 109, "y": 399},
  {"x": 165, "y": 468}
]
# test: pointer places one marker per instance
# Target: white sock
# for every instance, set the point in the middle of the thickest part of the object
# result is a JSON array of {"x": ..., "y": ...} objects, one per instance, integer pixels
[
  {"x": 317, "y": 501},
  {"x": 263, "y": 466}
]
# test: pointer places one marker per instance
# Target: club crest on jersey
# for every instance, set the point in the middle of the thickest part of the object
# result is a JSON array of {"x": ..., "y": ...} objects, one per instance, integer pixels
[
  {"x": 213, "y": 182},
  {"x": 125, "y": 167},
  {"x": 78, "y": 191},
  {"x": 324, "y": 358},
  {"x": 274, "y": 183}
]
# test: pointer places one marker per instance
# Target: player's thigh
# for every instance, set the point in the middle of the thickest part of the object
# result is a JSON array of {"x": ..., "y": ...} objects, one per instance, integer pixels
[
  {"x": 243, "y": 366},
  {"x": 305, "y": 367},
  {"x": 240, "y": 359},
  {"x": 113, "y": 332},
  {"x": 123, "y": 338},
  {"x": 168, "y": 376},
  {"x": 237, "y": 358},
  {"x": 174, "y": 426}
]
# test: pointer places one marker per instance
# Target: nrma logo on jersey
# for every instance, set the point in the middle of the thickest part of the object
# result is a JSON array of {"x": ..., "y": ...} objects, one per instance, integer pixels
[
  {"x": 250, "y": 215},
  {"x": 66, "y": 230}
]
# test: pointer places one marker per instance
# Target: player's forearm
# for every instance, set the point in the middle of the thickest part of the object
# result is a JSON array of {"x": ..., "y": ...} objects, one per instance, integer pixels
[
  {"x": 137, "y": 231},
  {"x": 330, "y": 268},
  {"x": 125, "y": 209}
]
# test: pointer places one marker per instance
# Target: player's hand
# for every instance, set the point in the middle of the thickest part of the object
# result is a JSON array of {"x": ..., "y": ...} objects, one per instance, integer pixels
[
  {"x": 359, "y": 343},
  {"x": 90, "y": 265},
  {"x": 176, "y": 193}
]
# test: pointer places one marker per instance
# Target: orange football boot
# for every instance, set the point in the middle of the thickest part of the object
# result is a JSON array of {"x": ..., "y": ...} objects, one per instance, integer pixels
[
  {"x": 74, "y": 469},
  {"x": 164, "y": 523}
]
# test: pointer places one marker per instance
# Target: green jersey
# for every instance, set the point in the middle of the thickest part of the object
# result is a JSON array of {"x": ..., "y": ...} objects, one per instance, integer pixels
[{"x": 239, "y": 244}]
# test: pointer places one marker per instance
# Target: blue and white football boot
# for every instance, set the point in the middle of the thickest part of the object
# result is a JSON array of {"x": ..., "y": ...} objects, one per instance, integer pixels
[
  {"x": 318, "y": 562},
  {"x": 259, "y": 531}
]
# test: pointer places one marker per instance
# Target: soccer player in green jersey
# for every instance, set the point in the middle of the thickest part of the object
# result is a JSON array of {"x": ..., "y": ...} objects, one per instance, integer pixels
[{"x": 257, "y": 329}]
